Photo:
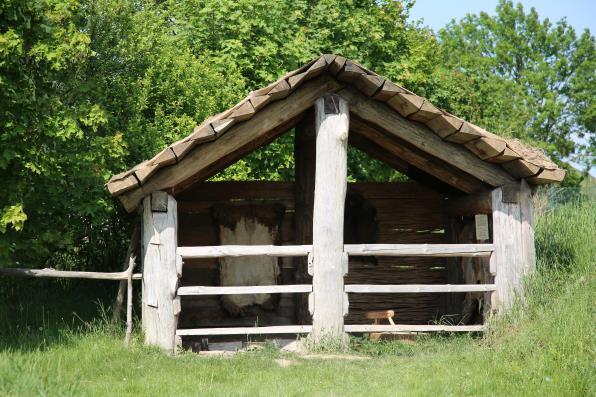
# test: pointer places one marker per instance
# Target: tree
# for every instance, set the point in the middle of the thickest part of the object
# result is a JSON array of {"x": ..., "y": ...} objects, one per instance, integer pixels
[
  {"x": 526, "y": 78},
  {"x": 86, "y": 90}
]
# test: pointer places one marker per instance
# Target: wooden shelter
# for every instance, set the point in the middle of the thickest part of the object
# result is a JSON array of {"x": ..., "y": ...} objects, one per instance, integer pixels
[{"x": 316, "y": 255}]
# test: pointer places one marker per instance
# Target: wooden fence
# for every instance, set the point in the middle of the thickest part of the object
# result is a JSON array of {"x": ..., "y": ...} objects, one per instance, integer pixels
[{"x": 432, "y": 250}]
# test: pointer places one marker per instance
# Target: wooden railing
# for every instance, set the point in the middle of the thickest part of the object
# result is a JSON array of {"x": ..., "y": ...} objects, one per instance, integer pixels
[{"x": 427, "y": 250}]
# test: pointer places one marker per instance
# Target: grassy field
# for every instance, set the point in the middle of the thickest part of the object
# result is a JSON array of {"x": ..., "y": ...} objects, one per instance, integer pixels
[{"x": 545, "y": 347}]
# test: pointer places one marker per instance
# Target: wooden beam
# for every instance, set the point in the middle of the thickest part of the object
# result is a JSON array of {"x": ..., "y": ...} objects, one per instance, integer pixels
[
  {"x": 413, "y": 328},
  {"x": 238, "y": 141},
  {"x": 243, "y": 290},
  {"x": 304, "y": 195},
  {"x": 328, "y": 261},
  {"x": 433, "y": 250},
  {"x": 396, "y": 147},
  {"x": 423, "y": 138},
  {"x": 53, "y": 273},
  {"x": 417, "y": 288},
  {"x": 280, "y": 329},
  {"x": 161, "y": 272},
  {"x": 377, "y": 152},
  {"x": 471, "y": 204},
  {"x": 220, "y": 251}
]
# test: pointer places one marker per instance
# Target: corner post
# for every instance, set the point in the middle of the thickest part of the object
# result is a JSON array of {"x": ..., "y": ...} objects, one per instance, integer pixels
[
  {"x": 329, "y": 263},
  {"x": 513, "y": 238},
  {"x": 161, "y": 270}
]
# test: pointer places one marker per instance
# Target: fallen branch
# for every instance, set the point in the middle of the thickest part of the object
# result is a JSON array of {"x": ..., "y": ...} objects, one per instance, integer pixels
[{"x": 53, "y": 273}]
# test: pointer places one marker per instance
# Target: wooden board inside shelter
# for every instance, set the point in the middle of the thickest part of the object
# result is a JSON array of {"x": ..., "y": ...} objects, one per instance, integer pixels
[{"x": 406, "y": 213}]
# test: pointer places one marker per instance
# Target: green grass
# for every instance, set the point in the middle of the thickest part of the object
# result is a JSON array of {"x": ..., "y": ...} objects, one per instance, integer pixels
[{"x": 544, "y": 347}]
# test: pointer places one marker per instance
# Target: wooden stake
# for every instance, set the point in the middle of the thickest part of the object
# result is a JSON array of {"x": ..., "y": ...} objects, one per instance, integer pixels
[
  {"x": 129, "y": 292},
  {"x": 119, "y": 303},
  {"x": 332, "y": 125}
]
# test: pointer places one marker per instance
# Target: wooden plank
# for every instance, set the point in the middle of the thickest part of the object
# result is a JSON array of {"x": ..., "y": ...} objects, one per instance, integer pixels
[
  {"x": 435, "y": 250},
  {"x": 426, "y": 113},
  {"x": 219, "y": 251},
  {"x": 547, "y": 176},
  {"x": 280, "y": 329},
  {"x": 222, "y": 125},
  {"x": 369, "y": 84},
  {"x": 504, "y": 157},
  {"x": 328, "y": 263},
  {"x": 160, "y": 306},
  {"x": 337, "y": 65},
  {"x": 240, "y": 140},
  {"x": 405, "y": 103},
  {"x": 507, "y": 262},
  {"x": 388, "y": 90},
  {"x": 413, "y": 328},
  {"x": 467, "y": 132},
  {"x": 304, "y": 196},
  {"x": 417, "y": 288},
  {"x": 428, "y": 164},
  {"x": 120, "y": 186},
  {"x": 486, "y": 147},
  {"x": 521, "y": 168},
  {"x": 243, "y": 112},
  {"x": 445, "y": 125},
  {"x": 423, "y": 138},
  {"x": 53, "y": 273},
  {"x": 243, "y": 290}
]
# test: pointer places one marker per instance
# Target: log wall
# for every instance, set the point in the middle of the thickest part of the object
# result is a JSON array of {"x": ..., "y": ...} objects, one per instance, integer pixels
[{"x": 405, "y": 213}]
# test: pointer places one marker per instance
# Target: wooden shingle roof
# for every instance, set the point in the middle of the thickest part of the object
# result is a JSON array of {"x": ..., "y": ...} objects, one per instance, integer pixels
[{"x": 517, "y": 159}]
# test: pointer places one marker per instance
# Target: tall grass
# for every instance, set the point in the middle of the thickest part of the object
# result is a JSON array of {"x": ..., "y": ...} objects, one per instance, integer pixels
[{"x": 544, "y": 346}]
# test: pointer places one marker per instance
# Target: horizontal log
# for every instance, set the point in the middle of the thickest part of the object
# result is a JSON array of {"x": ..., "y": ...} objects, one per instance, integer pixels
[
  {"x": 280, "y": 329},
  {"x": 413, "y": 328},
  {"x": 417, "y": 288},
  {"x": 470, "y": 205},
  {"x": 53, "y": 273},
  {"x": 242, "y": 290},
  {"x": 219, "y": 251},
  {"x": 436, "y": 250}
]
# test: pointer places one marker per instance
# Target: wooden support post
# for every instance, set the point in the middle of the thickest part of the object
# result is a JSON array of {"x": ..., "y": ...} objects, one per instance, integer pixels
[
  {"x": 161, "y": 271},
  {"x": 513, "y": 240},
  {"x": 304, "y": 193},
  {"x": 129, "y": 292},
  {"x": 329, "y": 263}
]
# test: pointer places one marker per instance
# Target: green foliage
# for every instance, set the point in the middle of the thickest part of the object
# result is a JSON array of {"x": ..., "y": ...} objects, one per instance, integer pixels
[{"x": 89, "y": 88}]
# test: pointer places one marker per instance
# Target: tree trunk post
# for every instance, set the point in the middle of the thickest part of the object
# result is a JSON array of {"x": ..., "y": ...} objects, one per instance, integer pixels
[
  {"x": 513, "y": 239},
  {"x": 161, "y": 270},
  {"x": 329, "y": 262},
  {"x": 304, "y": 155}
]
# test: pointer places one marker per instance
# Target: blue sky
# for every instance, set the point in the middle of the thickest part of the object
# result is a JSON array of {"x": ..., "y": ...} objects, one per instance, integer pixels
[{"x": 580, "y": 14}]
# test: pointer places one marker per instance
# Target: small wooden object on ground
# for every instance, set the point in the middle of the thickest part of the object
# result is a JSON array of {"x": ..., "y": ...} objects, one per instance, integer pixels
[{"x": 377, "y": 316}]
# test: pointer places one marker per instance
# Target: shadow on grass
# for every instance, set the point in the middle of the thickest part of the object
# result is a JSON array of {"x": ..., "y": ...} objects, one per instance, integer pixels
[{"x": 38, "y": 313}]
